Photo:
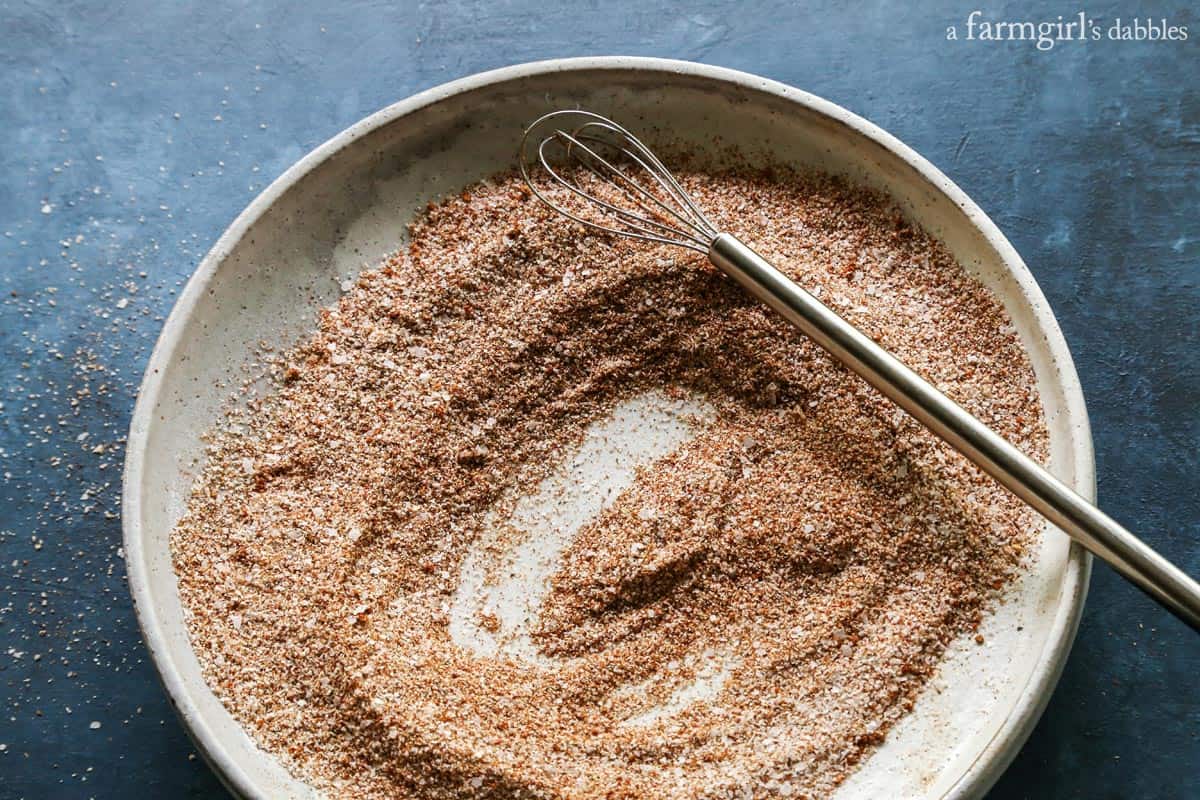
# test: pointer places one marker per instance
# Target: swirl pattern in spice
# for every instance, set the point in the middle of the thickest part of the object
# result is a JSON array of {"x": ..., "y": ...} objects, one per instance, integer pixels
[{"x": 746, "y": 614}]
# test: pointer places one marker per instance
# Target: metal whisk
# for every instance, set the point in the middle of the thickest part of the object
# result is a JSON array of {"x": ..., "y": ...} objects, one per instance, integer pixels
[{"x": 626, "y": 190}]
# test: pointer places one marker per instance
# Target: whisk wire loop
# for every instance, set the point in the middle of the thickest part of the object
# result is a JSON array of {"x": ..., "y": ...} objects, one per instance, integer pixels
[{"x": 658, "y": 210}]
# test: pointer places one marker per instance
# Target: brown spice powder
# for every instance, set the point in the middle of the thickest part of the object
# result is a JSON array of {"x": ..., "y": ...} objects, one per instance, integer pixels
[{"x": 811, "y": 539}]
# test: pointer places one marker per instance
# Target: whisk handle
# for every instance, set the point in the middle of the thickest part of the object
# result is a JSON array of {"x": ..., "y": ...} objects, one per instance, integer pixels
[{"x": 1053, "y": 499}]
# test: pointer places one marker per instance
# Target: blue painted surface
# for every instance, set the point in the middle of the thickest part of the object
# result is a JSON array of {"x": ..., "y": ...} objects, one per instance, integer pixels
[{"x": 131, "y": 134}]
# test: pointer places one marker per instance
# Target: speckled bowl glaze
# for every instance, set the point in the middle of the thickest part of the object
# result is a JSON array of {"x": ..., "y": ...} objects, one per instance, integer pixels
[{"x": 346, "y": 204}]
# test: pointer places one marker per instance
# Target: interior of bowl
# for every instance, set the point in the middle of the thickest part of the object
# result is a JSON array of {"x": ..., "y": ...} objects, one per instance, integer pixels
[{"x": 346, "y": 206}]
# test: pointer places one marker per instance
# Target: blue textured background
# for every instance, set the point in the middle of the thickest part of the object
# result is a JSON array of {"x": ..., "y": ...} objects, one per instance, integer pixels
[{"x": 131, "y": 134}]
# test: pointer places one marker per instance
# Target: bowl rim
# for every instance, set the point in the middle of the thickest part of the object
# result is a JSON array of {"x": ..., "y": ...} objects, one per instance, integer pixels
[{"x": 990, "y": 762}]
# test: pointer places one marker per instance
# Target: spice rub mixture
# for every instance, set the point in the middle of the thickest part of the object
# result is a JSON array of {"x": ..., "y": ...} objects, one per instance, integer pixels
[{"x": 747, "y": 616}]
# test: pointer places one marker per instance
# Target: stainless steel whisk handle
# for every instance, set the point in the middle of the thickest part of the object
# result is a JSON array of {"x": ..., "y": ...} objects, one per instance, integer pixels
[{"x": 1081, "y": 520}]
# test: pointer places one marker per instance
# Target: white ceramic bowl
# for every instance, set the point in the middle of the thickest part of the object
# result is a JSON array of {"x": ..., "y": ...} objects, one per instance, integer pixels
[{"x": 346, "y": 204}]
